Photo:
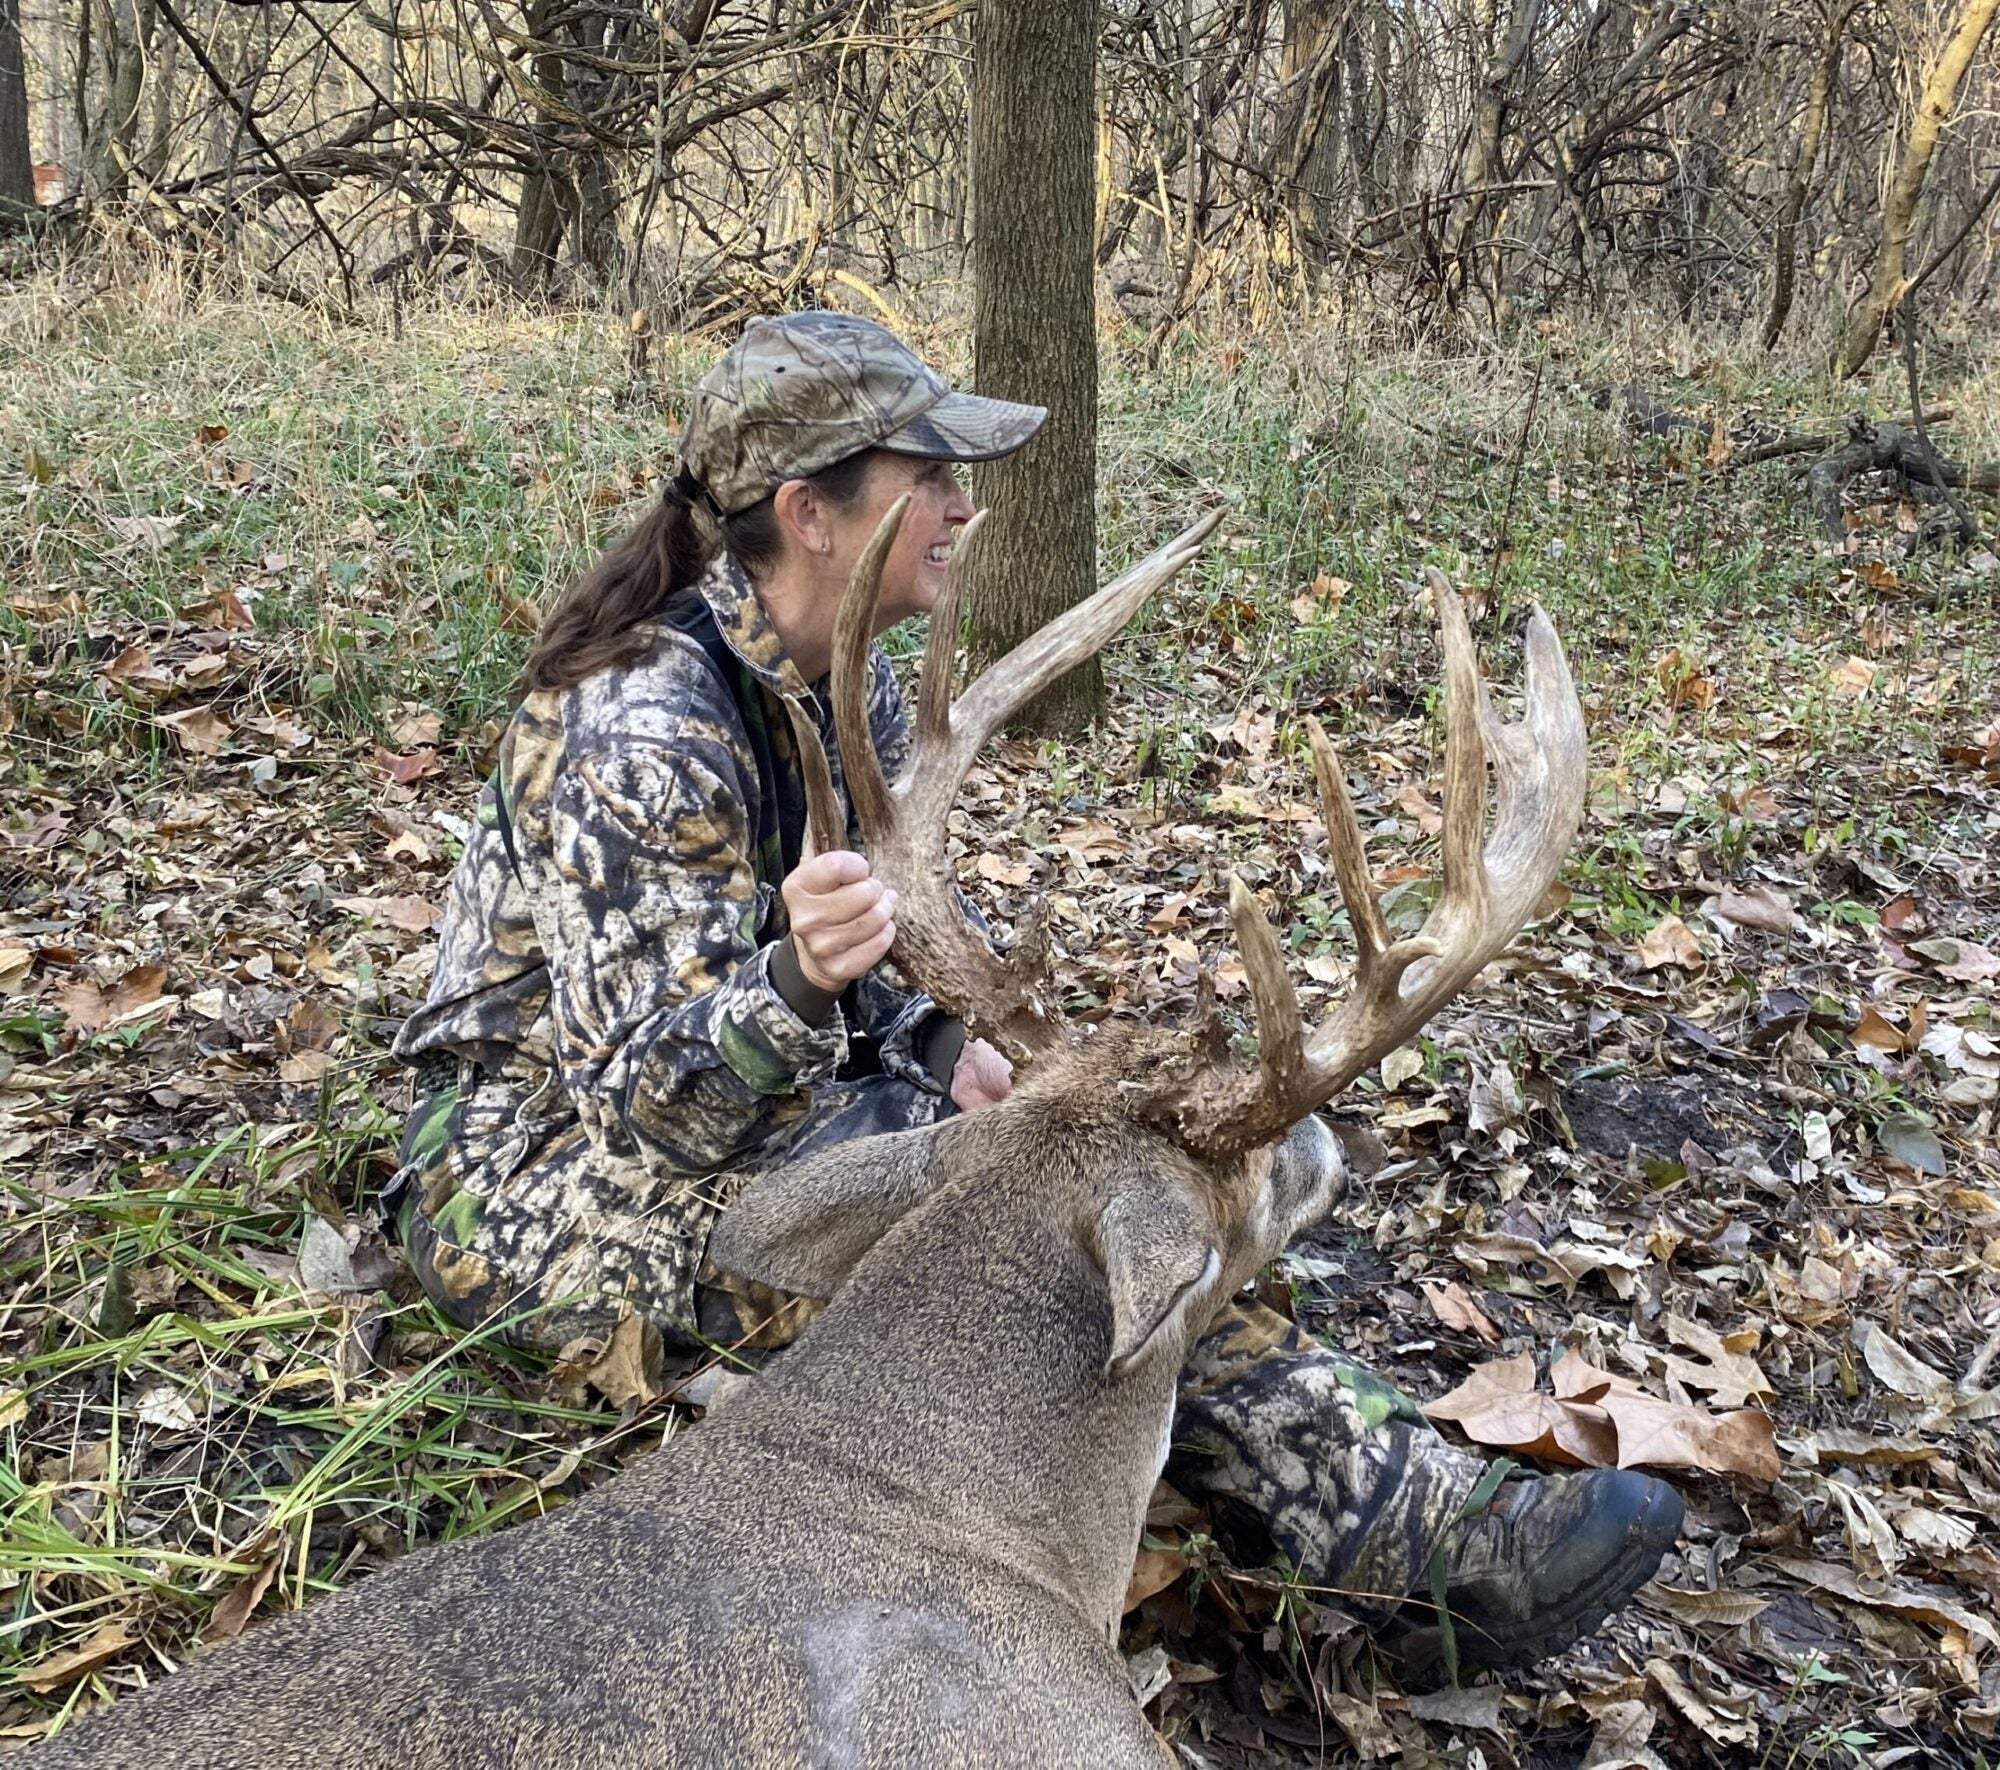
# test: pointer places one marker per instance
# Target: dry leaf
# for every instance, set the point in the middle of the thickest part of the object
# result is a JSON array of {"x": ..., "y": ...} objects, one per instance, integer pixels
[
  {"x": 1669, "y": 942},
  {"x": 1725, "y": 1610},
  {"x": 1153, "y": 1571},
  {"x": 1498, "y": 1406},
  {"x": 415, "y": 915},
  {"x": 1853, "y": 678},
  {"x": 417, "y": 730},
  {"x": 629, "y": 1371},
  {"x": 1724, "y": 1729},
  {"x": 1964, "y": 961},
  {"x": 1897, "y": 1367},
  {"x": 1002, "y": 872},
  {"x": 60, "y": 1668},
  {"x": 1871, "y": 1029},
  {"x": 201, "y": 730},
  {"x": 1428, "y": 819},
  {"x": 403, "y": 770},
  {"x": 1759, "y": 906},
  {"x": 227, "y": 1619},
  {"x": 135, "y": 996},
  {"x": 1455, "y": 1307}
]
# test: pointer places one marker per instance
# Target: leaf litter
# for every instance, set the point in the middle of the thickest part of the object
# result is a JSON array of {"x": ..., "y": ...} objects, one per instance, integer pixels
[{"x": 1699, "y": 1178}]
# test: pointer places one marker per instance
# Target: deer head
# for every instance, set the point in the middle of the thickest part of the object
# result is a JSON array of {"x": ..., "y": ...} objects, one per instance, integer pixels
[{"x": 1193, "y": 1166}]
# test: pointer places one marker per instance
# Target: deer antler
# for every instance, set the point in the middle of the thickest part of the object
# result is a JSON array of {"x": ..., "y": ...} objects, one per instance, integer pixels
[
  {"x": 1489, "y": 891},
  {"x": 904, "y": 824}
]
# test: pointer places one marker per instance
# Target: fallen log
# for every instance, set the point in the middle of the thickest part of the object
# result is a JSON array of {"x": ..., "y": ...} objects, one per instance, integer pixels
[{"x": 1875, "y": 445}]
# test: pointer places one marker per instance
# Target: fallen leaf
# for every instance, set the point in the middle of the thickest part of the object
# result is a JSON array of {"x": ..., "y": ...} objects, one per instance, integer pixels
[
  {"x": 166, "y": 1407},
  {"x": 135, "y": 996},
  {"x": 404, "y": 770},
  {"x": 1498, "y": 1406},
  {"x": 1727, "y": 1610},
  {"x": 415, "y": 915},
  {"x": 628, "y": 1373},
  {"x": 1455, "y": 1307},
  {"x": 1759, "y": 906},
  {"x": 1724, "y": 1729},
  {"x": 148, "y": 531},
  {"x": 61, "y": 1668},
  {"x": 1964, "y": 961},
  {"x": 417, "y": 730},
  {"x": 1154, "y": 1570},
  {"x": 1854, "y": 678},
  {"x": 324, "y": 1262},
  {"x": 232, "y": 1611},
  {"x": 1401, "y": 1065},
  {"x": 1475, "y": 1706},
  {"x": 1896, "y": 1366},
  {"x": 1669, "y": 942},
  {"x": 1427, "y": 817},
  {"x": 1002, "y": 872},
  {"x": 1659, "y": 1434},
  {"x": 200, "y": 730},
  {"x": 1871, "y": 1029},
  {"x": 1913, "y": 1142}
]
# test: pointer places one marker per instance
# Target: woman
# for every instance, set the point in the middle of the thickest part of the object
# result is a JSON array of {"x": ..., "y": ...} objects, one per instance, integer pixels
[{"x": 644, "y": 994}]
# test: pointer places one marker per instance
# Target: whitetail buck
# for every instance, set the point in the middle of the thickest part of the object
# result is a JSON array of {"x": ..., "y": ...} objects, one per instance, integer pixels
[{"x": 906, "y": 1544}]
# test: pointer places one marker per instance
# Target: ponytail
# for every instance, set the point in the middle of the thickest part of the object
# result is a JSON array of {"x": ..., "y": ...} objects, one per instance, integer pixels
[{"x": 598, "y": 625}]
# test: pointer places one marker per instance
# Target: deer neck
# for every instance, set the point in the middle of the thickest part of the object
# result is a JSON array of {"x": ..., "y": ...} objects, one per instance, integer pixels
[{"x": 966, "y": 1359}]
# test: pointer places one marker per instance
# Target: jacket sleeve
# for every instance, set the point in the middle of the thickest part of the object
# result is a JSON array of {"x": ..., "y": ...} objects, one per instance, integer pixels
[{"x": 674, "y": 1044}]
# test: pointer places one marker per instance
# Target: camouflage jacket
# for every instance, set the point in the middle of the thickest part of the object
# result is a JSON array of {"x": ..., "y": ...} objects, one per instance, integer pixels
[{"x": 614, "y": 968}]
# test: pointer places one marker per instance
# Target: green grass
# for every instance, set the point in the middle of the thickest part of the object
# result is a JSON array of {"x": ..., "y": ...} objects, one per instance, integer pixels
[{"x": 375, "y": 503}]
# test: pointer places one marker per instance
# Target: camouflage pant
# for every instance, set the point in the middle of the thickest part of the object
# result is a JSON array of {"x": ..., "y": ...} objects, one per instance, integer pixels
[
  {"x": 546, "y": 1235},
  {"x": 1336, "y": 1466}
]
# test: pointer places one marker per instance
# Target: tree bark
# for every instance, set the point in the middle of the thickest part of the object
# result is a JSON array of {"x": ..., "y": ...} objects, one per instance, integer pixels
[
  {"x": 1034, "y": 328},
  {"x": 17, "y": 168},
  {"x": 1934, "y": 106},
  {"x": 1812, "y": 128}
]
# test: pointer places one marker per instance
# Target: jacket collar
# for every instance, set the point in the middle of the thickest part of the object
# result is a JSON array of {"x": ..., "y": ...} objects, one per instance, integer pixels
[{"x": 746, "y": 627}]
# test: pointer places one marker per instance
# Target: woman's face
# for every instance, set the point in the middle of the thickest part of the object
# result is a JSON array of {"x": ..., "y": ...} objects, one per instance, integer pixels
[{"x": 914, "y": 573}]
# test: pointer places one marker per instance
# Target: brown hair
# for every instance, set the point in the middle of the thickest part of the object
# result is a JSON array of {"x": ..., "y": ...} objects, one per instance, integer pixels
[{"x": 597, "y": 623}]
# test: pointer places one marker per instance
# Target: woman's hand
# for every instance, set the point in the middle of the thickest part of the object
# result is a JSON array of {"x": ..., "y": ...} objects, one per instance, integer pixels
[
  {"x": 980, "y": 1077},
  {"x": 842, "y": 919}
]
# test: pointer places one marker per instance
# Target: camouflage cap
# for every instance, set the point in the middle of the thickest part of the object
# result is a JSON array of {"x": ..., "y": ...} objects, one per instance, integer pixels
[{"x": 797, "y": 393}]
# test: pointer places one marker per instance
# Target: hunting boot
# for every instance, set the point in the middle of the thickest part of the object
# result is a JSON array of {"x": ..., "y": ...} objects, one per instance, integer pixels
[{"x": 1448, "y": 1558}]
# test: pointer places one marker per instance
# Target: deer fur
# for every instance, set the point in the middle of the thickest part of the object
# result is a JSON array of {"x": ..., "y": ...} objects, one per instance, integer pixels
[{"x": 906, "y": 1544}]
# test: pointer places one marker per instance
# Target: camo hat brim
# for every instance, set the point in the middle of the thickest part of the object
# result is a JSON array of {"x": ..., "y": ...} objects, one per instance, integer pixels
[{"x": 797, "y": 393}]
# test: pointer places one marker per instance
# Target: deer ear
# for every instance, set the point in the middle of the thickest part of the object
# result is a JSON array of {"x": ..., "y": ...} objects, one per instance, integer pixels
[
  {"x": 1161, "y": 1262},
  {"x": 804, "y": 1227}
]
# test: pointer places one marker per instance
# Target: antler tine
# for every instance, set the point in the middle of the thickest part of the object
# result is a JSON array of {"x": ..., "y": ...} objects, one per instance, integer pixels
[
  {"x": 905, "y": 825},
  {"x": 853, "y": 627},
  {"x": 1075, "y": 634},
  {"x": 1539, "y": 764},
  {"x": 824, "y": 824},
  {"x": 940, "y": 677}
]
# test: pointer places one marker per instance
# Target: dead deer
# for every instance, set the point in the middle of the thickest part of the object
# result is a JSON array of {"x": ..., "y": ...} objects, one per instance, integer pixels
[{"x": 907, "y": 1543}]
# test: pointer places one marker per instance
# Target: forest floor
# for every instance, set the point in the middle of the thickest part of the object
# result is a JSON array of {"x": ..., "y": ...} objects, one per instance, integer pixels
[{"x": 1701, "y": 1177}]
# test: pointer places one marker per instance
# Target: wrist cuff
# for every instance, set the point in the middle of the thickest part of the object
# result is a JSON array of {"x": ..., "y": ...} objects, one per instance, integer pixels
[{"x": 804, "y": 997}]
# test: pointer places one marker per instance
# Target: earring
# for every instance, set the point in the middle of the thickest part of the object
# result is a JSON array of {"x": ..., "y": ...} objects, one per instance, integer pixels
[{"x": 826, "y": 546}]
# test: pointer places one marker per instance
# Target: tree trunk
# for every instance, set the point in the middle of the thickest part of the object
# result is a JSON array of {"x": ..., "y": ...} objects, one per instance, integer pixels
[
  {"x": 17, "y": 167},
  {"x": 1034, "y": 327},
  {"x": 1940, "y": 93},
  {"x": 1812, "y": 127},
  {"x": 1307, "y": 157}
]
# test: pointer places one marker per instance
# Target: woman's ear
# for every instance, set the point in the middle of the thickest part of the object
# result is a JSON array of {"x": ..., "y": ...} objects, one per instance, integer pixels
[{"x": 801, "y": 516}]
